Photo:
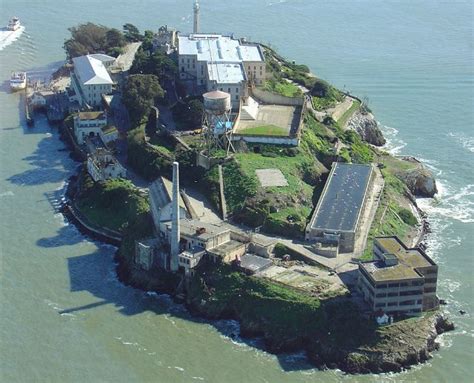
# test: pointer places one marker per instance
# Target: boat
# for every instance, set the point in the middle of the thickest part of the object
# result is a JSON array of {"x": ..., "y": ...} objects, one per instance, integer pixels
[
  {"x": 18, "y": 81},
  {"x": 14, "y": 24}
]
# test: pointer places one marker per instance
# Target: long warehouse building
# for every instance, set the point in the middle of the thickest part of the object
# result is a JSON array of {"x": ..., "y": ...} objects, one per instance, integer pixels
[{"x": 336, "y": 218}]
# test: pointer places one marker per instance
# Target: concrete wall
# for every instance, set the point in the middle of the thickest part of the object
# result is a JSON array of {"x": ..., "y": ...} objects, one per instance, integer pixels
[
  {"x": 272, "y": 140},
  {"x": 397, "y": 296},
  {"x": 266, "y": 97}
]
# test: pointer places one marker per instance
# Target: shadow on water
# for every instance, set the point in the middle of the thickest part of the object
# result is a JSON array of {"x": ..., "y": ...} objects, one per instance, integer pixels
[
  {"x": 95, "y": 273},
  {"x": 48, "y": 166},
  {"x": 62, "y": 238}
]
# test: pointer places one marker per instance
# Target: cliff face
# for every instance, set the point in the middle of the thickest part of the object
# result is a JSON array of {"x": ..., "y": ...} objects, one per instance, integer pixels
[
  {"x": 367, "y": 128},
  {"x": 419, "y": 180}
]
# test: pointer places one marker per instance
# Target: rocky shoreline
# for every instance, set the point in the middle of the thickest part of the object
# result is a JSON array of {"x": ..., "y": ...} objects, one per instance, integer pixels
[{"x": 395, "y": 348}]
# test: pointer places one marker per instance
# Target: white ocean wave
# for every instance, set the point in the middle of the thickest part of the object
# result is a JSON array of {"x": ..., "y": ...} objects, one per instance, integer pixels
[
  {"x": 7, "y": 194},
  {"x": 451, "y": 203},
  {"x": 8, "y": 37},
  {"x": 394, "y": 144},
  {"x": 464, "y": 140}
]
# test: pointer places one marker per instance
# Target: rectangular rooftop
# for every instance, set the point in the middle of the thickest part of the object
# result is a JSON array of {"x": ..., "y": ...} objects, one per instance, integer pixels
[
  {"x": 218, "y": 48},
  {"x": 409, "y": 260},
  {"x": 342, "y": 198}
]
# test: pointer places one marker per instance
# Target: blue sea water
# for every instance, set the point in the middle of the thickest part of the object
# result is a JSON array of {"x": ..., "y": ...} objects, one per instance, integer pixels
[{"x": 64, "y": 315}]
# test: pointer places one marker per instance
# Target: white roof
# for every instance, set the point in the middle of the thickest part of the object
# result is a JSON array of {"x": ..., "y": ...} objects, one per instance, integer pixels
[
  {"x": 217, "y": 48},
  {"x": 102, "y": 57},
  {"x": 226, "y": 73},
  {"x": 91, "y": 71}
]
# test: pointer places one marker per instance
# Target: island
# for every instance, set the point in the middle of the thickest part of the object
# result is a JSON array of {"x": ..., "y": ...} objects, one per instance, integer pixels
[{"x": 248, "y": 188}]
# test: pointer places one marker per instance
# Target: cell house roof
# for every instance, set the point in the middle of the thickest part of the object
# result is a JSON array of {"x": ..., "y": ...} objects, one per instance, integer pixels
[{"x": 342, "y": 198}]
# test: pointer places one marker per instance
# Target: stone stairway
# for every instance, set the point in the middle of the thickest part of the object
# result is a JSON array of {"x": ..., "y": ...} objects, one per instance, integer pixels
[{"x": 249, "y": 111}]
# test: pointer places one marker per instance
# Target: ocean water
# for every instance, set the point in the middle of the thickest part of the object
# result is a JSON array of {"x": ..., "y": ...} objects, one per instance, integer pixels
[{"x": 64, "y": 316}]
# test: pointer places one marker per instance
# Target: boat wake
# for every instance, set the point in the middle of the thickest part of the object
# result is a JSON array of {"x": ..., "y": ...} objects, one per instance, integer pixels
[{"x": 7, "y": 37}]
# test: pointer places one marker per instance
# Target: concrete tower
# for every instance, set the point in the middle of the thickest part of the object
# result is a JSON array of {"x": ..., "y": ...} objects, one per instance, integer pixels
[
  {"x": 175, "y": 231},
  {"x": 196, "y": 17}
]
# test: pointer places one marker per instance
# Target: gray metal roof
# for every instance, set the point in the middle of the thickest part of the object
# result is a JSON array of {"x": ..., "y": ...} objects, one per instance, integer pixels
[
  {"x": 343, "y": 197},
  {"x": 91, "y": 71}
]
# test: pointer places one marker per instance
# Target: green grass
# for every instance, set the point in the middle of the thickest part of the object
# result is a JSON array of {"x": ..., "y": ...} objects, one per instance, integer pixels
[
  {"x": 289, "y": 166},
  {"x": 111, "y": 204},
  {"x": 285, "y": 310},
  {"x": 342, "y": 121},
  {"x": 265, "y": 130},
  {"x": 323, "y": 103},
  {"x": 283, "y": 88}
]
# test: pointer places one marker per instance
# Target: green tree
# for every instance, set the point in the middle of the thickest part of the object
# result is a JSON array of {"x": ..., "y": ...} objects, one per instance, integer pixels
[
  {"x": 86, "y": 38},
  {"x": 139, "y": 95},
  {"x": 114, "y": 38},
  {"x": 196, "y": 109},
  {"x": 131, "y": 33}
]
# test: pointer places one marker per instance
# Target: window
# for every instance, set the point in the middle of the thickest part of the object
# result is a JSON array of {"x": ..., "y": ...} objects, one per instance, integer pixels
[
  {"x": 392, "y": 304},
  {"x": 236, "y": 96},
  {"x": 228, "y": 90},
  {"x": 381, "y": 295},
  {"x": 392, "y": 294},
  {"x": 236, "y": 90},
  {"x": 430, "y": 280},
  {"x": 382, "y": 304},
  {"x": 393, "y": 285},
  {"x": 419, "y": 301}
]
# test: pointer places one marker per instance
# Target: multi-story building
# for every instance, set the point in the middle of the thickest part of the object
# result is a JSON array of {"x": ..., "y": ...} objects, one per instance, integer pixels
[
  {"x": 89, "y": 124},
  {"x": 217, "y": 62},
  {"x": 399, "y": 280},
  {"x": 90, "y": 80}
]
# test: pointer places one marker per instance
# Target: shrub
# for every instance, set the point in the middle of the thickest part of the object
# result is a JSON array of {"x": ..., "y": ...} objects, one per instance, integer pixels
[{"x": 407, "y": 217}]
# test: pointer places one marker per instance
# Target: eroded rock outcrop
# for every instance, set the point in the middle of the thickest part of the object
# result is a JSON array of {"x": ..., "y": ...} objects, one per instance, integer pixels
[
  {"x": 419, "y": 180},
  {"x": 367, "y": 128}
]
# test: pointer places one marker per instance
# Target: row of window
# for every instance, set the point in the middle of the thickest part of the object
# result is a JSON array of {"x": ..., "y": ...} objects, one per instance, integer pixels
[
  {"x": 402, "y": 284},
  {"x": 401, "y": 294},
  {"x": 404, "y": 303}
]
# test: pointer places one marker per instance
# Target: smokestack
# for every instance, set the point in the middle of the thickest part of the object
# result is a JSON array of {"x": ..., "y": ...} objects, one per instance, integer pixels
[
  {"x": 175, "y": 232},
  {"x": 196, "y": 17}
]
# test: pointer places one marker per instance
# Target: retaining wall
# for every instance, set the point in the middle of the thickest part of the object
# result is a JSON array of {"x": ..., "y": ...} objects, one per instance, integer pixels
[{"x": 266, "y": 97}]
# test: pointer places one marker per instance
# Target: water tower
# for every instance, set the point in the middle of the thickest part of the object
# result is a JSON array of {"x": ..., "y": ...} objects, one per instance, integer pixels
[{"x": 216, "y": 122}]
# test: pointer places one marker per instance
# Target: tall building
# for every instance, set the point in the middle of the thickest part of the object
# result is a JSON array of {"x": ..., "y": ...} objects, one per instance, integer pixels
[
  {"x": 216, "y": 62},
  {"x": 399, "y": 280}
]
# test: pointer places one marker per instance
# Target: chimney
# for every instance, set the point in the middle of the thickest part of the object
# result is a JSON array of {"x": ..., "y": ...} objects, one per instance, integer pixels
[
  {"x": 196, "y": 17},
  {"x": 175, "y": 232}
]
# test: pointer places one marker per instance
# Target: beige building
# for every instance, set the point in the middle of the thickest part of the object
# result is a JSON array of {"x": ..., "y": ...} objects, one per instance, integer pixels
[
  {"x": 399, "y": 280},
  {"x": 217, "y": 62},
  {"x": 90, "y": 80},
  {"x": 89, "y": 124}
]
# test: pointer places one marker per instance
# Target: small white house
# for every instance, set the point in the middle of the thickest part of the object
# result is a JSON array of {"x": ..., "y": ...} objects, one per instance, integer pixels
[
  {"x": 41, "y": 98},
  {"x": 102, "y": 165},
  {"x": 89, "y": 124}
]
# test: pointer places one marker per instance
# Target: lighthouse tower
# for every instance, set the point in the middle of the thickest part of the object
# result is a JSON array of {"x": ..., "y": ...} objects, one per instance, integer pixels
[{"x": 196, "y": 17}]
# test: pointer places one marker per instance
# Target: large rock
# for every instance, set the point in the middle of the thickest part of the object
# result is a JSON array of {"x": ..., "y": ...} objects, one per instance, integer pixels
[
  {"x": 420, "y": 181},
  {"x": 367, "y": 128}
]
